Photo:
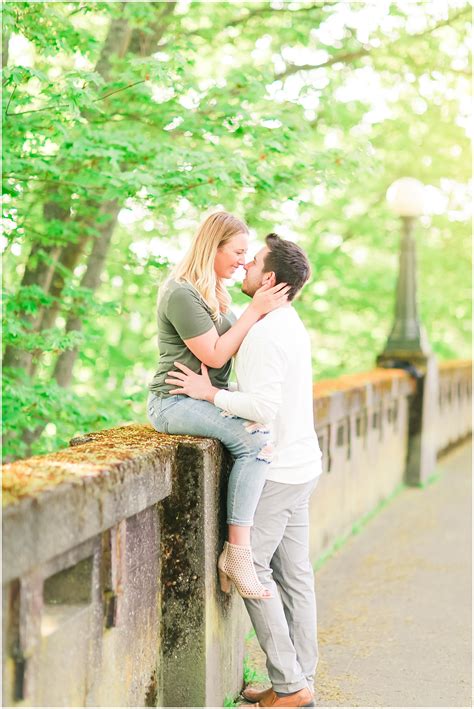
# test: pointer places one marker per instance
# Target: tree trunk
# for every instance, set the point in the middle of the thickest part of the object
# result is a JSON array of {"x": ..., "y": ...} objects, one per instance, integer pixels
[
  {"x": 68, "y": 259},
  {"x": 39, "y": 271},
  {"x": 91, "y": 280},
  {"x": 120, "y": 39},
  {"x": 117, "y": 42},
  {"x": 5, "y": 47},
  {"x": 42, "y": 273},
  {"x": 143, "y": 43}
]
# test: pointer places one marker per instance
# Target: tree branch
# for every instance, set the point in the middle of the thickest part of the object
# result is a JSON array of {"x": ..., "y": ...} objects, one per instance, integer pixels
[
  {"x": 65, "y": 105},
  {"x": 365, "y": 51},
  {"x": 261, "y": 11},
  {"x": 50, "y": 182},
  {"x": 264, "y": 10},
  {"x": 10, "y": 100},
  {"x": 448, "y": 21},
  {"x": 346, "y": 57}
]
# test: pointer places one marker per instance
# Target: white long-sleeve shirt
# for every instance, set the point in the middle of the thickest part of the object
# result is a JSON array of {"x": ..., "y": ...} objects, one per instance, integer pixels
[{"x": 274, "y": 379}]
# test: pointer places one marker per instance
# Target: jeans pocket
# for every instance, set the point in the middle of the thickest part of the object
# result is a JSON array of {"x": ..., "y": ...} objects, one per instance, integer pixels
[
  {"x": 153, "y": 412},
  {"x": 157, "y": 409},
  {"x": 152, "y": 405},
  {"x": 166, "y": 402}
]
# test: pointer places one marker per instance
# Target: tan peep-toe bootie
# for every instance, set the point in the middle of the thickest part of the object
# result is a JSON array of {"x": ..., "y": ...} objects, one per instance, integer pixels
[{"x": 235, "y": 565}]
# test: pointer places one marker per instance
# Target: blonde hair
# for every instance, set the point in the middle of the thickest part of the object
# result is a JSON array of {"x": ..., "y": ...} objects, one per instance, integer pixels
[{"x": 197, "y": 267}]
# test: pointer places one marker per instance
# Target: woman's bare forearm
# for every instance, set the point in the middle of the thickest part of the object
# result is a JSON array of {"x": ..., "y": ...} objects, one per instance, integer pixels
[{"x": 227, "y": 344}]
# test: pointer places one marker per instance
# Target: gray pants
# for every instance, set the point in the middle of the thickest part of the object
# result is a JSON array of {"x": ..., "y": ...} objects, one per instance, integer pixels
[{"x": 285, "y": 625}]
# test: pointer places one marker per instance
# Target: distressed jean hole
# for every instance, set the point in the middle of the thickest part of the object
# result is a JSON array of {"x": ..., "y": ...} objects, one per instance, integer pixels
[
  {"x": 266, "y": 453},
  {"x": 254, "y": 427}
]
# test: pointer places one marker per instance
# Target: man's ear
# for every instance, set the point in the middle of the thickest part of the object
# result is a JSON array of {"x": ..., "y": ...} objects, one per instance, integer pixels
[{"x": 269, "y": 278}]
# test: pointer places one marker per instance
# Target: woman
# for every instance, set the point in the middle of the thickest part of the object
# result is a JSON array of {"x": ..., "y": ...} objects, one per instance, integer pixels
[{"x": 196, "y": 325}]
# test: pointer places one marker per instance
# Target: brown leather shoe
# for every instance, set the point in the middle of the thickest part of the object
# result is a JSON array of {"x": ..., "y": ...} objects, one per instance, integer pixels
[
  {"x": 303, "y": 698},
  {"x": 256, "y": 695}
]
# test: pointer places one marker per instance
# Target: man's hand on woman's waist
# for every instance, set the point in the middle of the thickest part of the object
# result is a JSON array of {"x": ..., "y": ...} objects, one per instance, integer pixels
[{"x": 197, "y": 386}]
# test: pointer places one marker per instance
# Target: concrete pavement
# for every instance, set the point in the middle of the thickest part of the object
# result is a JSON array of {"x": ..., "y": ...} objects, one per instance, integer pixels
[{"x": 394, "y": 603}]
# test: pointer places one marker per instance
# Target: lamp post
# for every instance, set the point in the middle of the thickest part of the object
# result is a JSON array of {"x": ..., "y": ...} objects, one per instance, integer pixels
[
  {"x": 407, "y": 338},
  {"x": 407, "y": 346}
]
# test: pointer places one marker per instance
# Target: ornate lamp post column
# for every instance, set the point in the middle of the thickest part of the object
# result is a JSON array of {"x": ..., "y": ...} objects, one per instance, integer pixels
[
  {"x": 407, "y": 338},
  {"x": 407, "y": 345}
]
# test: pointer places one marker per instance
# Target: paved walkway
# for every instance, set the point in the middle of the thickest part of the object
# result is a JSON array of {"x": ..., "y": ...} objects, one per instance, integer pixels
[{"x": 394, "y": 603}]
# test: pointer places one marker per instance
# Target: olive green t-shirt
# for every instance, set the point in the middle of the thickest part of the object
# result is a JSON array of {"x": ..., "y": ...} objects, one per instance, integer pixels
[{"x": 183, "y": 314}]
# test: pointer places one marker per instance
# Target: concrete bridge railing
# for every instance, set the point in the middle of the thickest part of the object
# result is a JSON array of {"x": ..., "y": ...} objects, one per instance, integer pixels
[
  {"x": 453, "y": 412},
  {"x": 110, "y": 593}
]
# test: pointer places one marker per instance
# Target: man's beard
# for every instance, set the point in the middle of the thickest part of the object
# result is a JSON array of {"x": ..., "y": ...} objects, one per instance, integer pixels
[{"x": 249, "y": 289}]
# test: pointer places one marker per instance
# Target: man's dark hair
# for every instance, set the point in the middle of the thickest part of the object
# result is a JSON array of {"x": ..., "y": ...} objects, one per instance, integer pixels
[{"x": 289, "y": 263}]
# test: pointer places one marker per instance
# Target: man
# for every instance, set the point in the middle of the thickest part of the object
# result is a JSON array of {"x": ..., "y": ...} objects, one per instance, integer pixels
[{"x": 273, "y": 369}]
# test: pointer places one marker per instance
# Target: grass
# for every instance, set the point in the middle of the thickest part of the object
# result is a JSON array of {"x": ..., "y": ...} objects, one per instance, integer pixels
[
  {"x": 438, "y": 473},
  {"x": 250, "y": 635},
  {"x": 251, "y": 674}
]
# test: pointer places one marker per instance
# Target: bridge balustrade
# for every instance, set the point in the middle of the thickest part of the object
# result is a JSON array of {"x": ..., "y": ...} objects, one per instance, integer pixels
[{"x": 110, "y": 594}]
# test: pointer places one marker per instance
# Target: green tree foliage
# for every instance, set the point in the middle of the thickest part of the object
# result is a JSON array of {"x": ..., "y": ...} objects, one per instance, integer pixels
[{"x": 125, "y": 122}]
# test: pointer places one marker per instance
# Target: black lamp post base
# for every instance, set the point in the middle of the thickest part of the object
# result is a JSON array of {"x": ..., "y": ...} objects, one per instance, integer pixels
[{"x": 421, "y": 454}]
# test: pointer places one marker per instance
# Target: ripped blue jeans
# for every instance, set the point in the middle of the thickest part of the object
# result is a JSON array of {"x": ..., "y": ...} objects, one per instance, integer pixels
[{"x": 248, "y": 443}]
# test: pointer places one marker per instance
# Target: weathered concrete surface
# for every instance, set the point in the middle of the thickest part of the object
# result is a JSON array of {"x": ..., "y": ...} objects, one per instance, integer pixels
[
  {"x": 110, "y": 591},
  {"x": 128, "y": 654},
  {"x": 202, "y": 628},
  {"x": 57, "y": 501},
  {"x": 394, "y": 603},
  {"x": 454, "y": 419},
  {"x": 76, "y": 650},
  {"x": 362, "y": 425}
]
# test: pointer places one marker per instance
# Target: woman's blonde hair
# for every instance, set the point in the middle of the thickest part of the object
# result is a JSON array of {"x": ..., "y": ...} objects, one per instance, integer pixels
[{"x": 197, "y": 267}]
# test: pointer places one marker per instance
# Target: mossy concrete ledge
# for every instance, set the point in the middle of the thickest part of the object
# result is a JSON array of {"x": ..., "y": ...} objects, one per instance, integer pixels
[
  {"x": 110, "y": 591},
  {"x": 54, "y": 502}
]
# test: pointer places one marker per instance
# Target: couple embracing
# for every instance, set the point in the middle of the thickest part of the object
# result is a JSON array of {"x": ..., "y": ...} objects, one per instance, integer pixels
[{"x": 266, "y": 423}]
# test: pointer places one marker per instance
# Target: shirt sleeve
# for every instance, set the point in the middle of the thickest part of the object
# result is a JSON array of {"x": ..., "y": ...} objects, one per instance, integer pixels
[
  {"x": 262, "y": 401},
  {"x": 187, "y": 314}
]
